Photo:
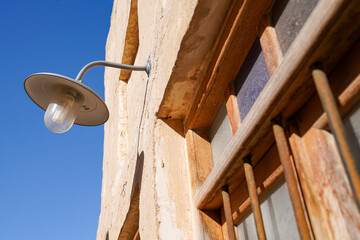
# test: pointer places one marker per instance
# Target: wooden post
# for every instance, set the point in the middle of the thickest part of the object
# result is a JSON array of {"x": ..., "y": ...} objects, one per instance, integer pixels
[
  {"x": 232, "y": 108},
  {"x": 269, "y": 44},
  {"x": 227, "y": 211},
  {"x": 250, "y": 180},
  {"x": 291, "y": 180}
]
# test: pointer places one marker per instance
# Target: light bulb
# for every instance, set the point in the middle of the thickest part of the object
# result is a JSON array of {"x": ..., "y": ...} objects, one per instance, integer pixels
[{"x": 62, "y": 110}]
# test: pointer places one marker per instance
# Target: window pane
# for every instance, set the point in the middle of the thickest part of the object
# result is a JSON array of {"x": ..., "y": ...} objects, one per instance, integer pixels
[
  {"x": 289, "y": 17},
  {"x": 278, "y": 216},
  {"x": 220, "y": 133},
  {"x": 352, "y": 126},
  {"x": 251, "y": 79}
]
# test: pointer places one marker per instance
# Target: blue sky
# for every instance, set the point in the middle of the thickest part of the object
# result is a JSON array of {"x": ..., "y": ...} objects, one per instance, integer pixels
[{"x": 50, "y": 184}]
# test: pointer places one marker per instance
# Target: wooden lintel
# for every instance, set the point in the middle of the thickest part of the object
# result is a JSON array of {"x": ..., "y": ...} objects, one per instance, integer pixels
[
  {"x": 231, "y": 52},
  {"x": 196, "y": 49}
]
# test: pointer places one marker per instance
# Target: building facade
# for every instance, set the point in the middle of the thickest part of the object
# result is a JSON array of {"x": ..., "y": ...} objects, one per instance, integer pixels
[{"x": 247, "y": 127}]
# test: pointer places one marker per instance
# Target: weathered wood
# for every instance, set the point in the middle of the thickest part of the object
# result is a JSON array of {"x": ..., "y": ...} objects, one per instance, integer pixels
[
  {"x": 338, "y": 210},
  {"x": 234, "y": 119},
  {"x": 200, "y": 157},
  {"x": 292, "y": 181},
  {"x": 193, "y": 57},
  {"x": 267, "y": 185},
  {"x": 268, "y": 173},
  {"x": 200, "y": 164},
  {"x": 341, "y": 35},
  {"x": 347, "y": 91},
  {"x": 347, "y": 100},
  {"x": 232, "y": 108},
  {"x": 209, "y": 225},
  {"x": 338, "y": 129},
  {"x": 227, "y": 211},
  {"x": 314, "y": 42},
  {"x": 269, "y": 44},
  {"x": 255, "y": 205},
  {"x": 306, "y": 178},
  {"x": 236, "y": 175},
  {"x": 214, "y": 54},
  {"x": 226, "y": 64}
]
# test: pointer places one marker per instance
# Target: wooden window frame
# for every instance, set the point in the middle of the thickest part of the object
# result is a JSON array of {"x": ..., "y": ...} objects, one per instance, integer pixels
[{"x": 289, "y": 76}]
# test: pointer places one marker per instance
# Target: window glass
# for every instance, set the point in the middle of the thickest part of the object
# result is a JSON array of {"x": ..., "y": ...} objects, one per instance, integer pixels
[
  {"x": 220, "y": 133},
  {"x": 352, "y": 126},
  {"x": 289, "y": 17},
  {"x": 278, "y": 217},
  {"x": 251, "y": 79}
]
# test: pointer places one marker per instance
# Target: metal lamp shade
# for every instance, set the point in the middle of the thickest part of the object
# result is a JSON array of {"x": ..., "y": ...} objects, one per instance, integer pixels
[{"x": 41, "y": 87}]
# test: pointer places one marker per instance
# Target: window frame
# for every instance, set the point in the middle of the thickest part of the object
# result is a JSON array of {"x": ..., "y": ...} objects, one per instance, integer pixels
[{"x": 311, "y": 44}]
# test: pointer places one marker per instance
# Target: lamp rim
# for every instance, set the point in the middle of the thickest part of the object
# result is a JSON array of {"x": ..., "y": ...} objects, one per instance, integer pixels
[{"x": 41, "y": 83}]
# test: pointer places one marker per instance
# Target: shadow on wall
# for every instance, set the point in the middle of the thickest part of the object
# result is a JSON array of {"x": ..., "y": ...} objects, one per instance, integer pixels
[
  {"x": 130, "y": 227},
  {"x": 176, "y": 124},
  {"x": 136, "y": 187}
]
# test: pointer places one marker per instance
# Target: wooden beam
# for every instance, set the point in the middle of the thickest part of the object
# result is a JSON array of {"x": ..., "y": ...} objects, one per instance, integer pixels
[
  {"x": 306, "y": 178},
  {"x": 200, "y": 157},
  {"x": 337, "y": 213}
]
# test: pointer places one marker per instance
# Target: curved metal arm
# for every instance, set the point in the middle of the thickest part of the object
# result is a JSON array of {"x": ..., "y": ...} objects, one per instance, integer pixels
[{"x": 82, "y": 72}]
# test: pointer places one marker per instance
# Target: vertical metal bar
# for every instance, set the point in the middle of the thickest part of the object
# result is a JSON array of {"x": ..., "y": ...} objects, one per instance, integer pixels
[
  {"x": 292, "y": 184},
  {"x": 227, "y": 211},
  {"x": 250, "y": 180},
  {"x": 337, "y": 128}
]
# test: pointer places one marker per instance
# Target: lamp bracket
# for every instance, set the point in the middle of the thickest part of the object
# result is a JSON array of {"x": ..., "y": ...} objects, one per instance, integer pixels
[{"x": 146, "y": 68}]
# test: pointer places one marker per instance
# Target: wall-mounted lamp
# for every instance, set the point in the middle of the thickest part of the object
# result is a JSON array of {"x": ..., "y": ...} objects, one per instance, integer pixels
[{"x": 68, "y": 101}]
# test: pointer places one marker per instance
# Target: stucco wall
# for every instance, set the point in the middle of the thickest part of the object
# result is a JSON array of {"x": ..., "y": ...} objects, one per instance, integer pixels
[{"x": 135, "y": 138}]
